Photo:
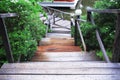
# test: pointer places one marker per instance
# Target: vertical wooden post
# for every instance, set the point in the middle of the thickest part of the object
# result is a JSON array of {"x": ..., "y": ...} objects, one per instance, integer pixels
[
  {"x": 89, "y": 16},
  {"x": 75, "y": 33},
  {"x": 76, "y": 30},
  {"x": 6, "y": 42},
  {"x": 53, "y": 18},
  {"x": 116, "y": 47}
]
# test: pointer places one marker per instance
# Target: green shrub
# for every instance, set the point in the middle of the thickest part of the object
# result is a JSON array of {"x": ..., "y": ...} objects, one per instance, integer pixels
[
  {"x": 25, "y": 30},
  {"x": 89, "y": 35},
  {"x": 105, "y": 23},
  {"x": 100, "y": 54}
]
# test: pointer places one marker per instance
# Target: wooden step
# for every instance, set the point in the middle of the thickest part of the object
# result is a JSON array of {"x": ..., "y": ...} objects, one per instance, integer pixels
[
  {"x": 61, "y": 26},
  {"x": 60, "y": 30},
  {"x": 57, "y": 41},
  {"x": 65, "y": 23},
  {"x": 58, "y": 35},
  {"x": 80, "y": 71},
  {"x": 58, "y": 48},
  {"x": 60, "y": 65},
  {"x": 54, "y": 68},
  {"x": 60, "y": 71},
  {"x": 59, "y": 77},
  {"x": 65, "y": 56}
]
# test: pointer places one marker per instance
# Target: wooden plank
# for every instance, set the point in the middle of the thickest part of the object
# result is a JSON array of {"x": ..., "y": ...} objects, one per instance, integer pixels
[
  {"x": 65, "y": 23},
  {"x": 49, "y": 65},
  {"x": 62, "y": 59},
  {"x": 60, "y": 29},
  {"x": 66, "y": 54},
  {"x": 55, "y": 41},
  {"x": 5, "y": 15},
  {"x": 80, "y": 71},
  {"x": 103, "y": 10},
  {"x": 59, "y": 77},
  {"x": 58, "y": 35}
]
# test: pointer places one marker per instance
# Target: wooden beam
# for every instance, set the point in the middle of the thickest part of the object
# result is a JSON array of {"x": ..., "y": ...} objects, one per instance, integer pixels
[
  {"x": 6, "y": 42},
  {"x": 103, "y": 10},
  {"x": 75, "y": 33}
]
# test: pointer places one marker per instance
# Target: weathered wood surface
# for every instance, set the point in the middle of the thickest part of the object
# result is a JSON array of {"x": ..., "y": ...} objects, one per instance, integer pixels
[
  {"x": 66, "y": 56},
  {"x": 64, "y": 23},
  {"x": 61, "y": 30},
  {"x": 57, "y": 41},
  {"x": 60, "y": 71},
  {"x": 80, "y": 71},
  {"x": 59, "y": 77},
  {"x": 61, "y": 65},
  {"x": 103, "y": 10},
  {"x": 66, "y": 4},
  {"x": 58, "y": 35},
  {"x": 5, "y": 15}
]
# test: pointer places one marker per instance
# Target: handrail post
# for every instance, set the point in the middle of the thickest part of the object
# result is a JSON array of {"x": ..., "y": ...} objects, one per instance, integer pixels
[
  {"x": 75, "y": 33},
  {"x": 6, "y": 41},
  {"x": 88, "y": 16},
  {"x": 53, "y": 18},
  {"x": 78, "y": 12},
  {"x": 116, "y": 46}
]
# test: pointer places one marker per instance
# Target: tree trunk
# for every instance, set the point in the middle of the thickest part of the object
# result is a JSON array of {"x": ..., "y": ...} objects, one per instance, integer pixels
[{"x": 116, "y": 47}]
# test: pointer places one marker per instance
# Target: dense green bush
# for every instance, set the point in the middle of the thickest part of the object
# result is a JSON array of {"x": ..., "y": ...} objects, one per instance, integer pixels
[
  {"x": 25, "y": 30},
  {"x": 89, "y": 35}
]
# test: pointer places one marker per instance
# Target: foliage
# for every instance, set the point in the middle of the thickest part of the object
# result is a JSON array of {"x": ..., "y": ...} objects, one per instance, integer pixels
[
  {"x": 88, "y": 31},
  {"x": 100, "y": 54},
  {"x": 105, "y": 23},
  {"x": 25, "y": 30}
]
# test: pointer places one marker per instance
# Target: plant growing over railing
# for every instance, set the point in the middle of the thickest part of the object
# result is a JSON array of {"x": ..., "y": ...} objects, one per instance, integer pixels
[
  {"x": 105, "y": 24},
  {"x": 25, "y": 30}
]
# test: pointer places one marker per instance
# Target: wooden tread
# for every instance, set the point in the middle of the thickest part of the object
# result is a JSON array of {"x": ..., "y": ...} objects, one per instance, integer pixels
[
  {"x": 65, "y": 56},
  {"x": 60, "y": 71},
  {"x": 59, "y": 77},
  {"x": 58, "y": 35},
  {"x": 57, "y": 41},
  {"x": 60, "y": 65}
]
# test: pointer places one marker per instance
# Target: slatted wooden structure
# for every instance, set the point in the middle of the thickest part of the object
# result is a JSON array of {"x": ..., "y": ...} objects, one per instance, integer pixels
[
  {"x": 61, "y": 65},
  {"x": 60, "y": 3}
]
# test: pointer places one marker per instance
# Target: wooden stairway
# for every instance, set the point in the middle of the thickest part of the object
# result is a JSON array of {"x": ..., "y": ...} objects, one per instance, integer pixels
[
  {"x": 60, "y": 71},
  {"x": 58, "y": 59}
]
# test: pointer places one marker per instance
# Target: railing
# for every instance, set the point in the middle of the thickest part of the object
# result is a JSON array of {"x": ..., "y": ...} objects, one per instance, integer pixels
[
  {"x": 55, "y": 12},
  {"x": 116, "y": 50},
  {"x": 4, "y": 35},
  {"x": 78, "y": 29}
]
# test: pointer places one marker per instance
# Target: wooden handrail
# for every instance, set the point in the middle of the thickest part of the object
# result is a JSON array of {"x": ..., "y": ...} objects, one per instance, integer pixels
[
  {"x": 57, "y": 10},
  {"x": 89, "y": 9},
  {"x": 81, "y": 35},
  {"x": 90, "y": 18},
  {"x": 116, "y": 48},
  {"x": 5, "y": 15},
  {"x": 4, "y": 35}
]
